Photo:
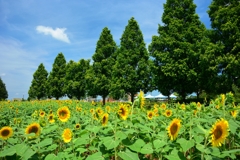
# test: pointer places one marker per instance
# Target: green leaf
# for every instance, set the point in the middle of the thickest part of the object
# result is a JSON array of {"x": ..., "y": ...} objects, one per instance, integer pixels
[
  {"x": 231, "y": 151},
  {"x": 28, "y": 154},
  {"x": 52, "y": 157},
  {"x": 204, "y": 131},
  {"x": 45, "y": 142},
  {"x": 110, "y": 143},
  {"x": 12, "y": 140},
  {"x": 186, "y": 144},
  {"x": 52, "y": 147},
  {"x": 20, "y": 149},
  {"x": 8, "y": 152},
  {"x": 128, "y": 155},
  {"x": 81, "y": 150},
  {"x": 50, "y": 129},
  {"x": 95, "y": 156},
  {"x": 200, "y": 147},
  {"x": 198, "y": 138},
  {"x": 214, "y": 151},
  {"x": 80, "y": 141},
  {"x": 233, "y": 126},
  {"x": 137, "y": 145},
  {"x": 24, "y": 151},
  {"x": 147, "y": 149},
  {"x": 121, "y": 135},
  {"x": 175, "y": 155},
  {"x": 94, "y": 129},
  {"x": 158, "y": 144}
]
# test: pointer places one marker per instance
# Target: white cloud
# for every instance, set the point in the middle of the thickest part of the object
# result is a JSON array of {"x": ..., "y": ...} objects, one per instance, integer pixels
[
  {"x": 18, "y": 64},
  {"x": 58, "y": 33}
]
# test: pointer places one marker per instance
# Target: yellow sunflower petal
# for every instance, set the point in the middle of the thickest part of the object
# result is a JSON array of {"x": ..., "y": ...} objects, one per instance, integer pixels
[
  {"x": 219, "y": 132},
  {"x": 174, "y": 128},
  {"x": 6, "y": 132}
]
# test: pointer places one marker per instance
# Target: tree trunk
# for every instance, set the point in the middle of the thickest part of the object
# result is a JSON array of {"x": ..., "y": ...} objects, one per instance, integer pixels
[
  {"x": 104, "y": 99},
  {"x": 132, "y": 97}
]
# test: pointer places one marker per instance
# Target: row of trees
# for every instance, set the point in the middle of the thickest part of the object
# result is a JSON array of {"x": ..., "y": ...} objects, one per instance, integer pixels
[{"x": 185, "y": 57}]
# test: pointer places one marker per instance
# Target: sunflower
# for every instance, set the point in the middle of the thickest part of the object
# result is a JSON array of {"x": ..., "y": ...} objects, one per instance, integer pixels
[
  {"x": 150, "y": 115},
  {"x": 168, "y": 113},
  {"x": 183, "y": 107},
  {"x": 219, "y": 132},
  {"x": 6, "y": 132},
  {"x": 99, "y": 111},
  {"x": 41, "y": 113},
  {"x": 108, "y": 109},
  {"x": 33, "y": 128},
  {"x": 63, "y": 114},
  {"x": 95, "y": 116},
  {"x": 199, "y": 105},
  {"x": 94, "y": 103},
  {"x": 223, "y": 98},
  {"x": 67, "y": 135},
  {"x": 123, "y": 111},
  {"x": 79, "y": 109},
  {"x": 174, "y": 128},
  {"x": 92, "y": 111},
  {"x": 77, "y": 126},
  {"x": 155, "y": 106},
  {"x": 163, "y": 106},
  {"x": 51, "y": 118},
  {"x": 156, "y": 112},
  {"x": 234, "y": 113},
  {"x": 104, "y": 119},
  {"x": 195, "y": 112},
  {"x": 17, "y": 111}
]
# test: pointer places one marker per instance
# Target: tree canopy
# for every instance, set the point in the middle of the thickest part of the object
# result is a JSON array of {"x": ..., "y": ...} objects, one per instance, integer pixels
[
  {"x": 103, "y": 61},
  {"x": 131, "y": 72},
  {"x": 56, "y": 77},
  {"x": 178, "y": 49},
  {"x": 225, "y": 22},
  {"x": 75, "y": 84},
  {"x": 3, "y": 90},
  {"x": 38, "y": 88}
]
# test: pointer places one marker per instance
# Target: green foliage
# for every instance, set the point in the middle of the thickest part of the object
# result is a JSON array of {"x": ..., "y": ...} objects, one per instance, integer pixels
[
  {"x": 3, "y": 90},
  {"x": 56, "y": 77},
  {"x": 38, "y": 88},
  {"x": 103, "y": 61},
  {"x": 225, "y": 21},
  {"x": 180, "y": 53},
  {"x": 131, "y": 73},
  {"x": 75, "y": 84}
]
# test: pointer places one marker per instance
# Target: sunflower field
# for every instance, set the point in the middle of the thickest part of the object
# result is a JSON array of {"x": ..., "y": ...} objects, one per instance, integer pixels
[{"x": 72, "y": 129}]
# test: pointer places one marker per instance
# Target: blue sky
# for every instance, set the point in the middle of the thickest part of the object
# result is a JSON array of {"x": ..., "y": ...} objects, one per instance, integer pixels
[{"x": 34, "y": 32}]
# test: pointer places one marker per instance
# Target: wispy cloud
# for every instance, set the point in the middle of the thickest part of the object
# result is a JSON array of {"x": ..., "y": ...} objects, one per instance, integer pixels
[
  {"x": 58, "y": 33},
  {"x": 17, "y": 65}
]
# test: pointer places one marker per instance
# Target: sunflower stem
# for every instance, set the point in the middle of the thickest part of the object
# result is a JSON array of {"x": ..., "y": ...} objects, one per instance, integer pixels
[
  {"x": 115, "y": 138},
  {"x": 205, "y": 145},
  {"x": 132, "y": 109}
]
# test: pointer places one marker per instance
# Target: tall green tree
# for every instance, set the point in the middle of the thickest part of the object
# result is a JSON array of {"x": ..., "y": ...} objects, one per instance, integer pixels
[
  {"x": 3, "y": 90},
  {"x": 103, "y": 61},
  {"x": 176, "y": 51},
  {"x": 131, "y": 71},
  {"x": 38, "y": 88},
  {"x": 225, "y": 21},
  {"x": 75, "y": 84},
  {"x": 56, "y": 77}
]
